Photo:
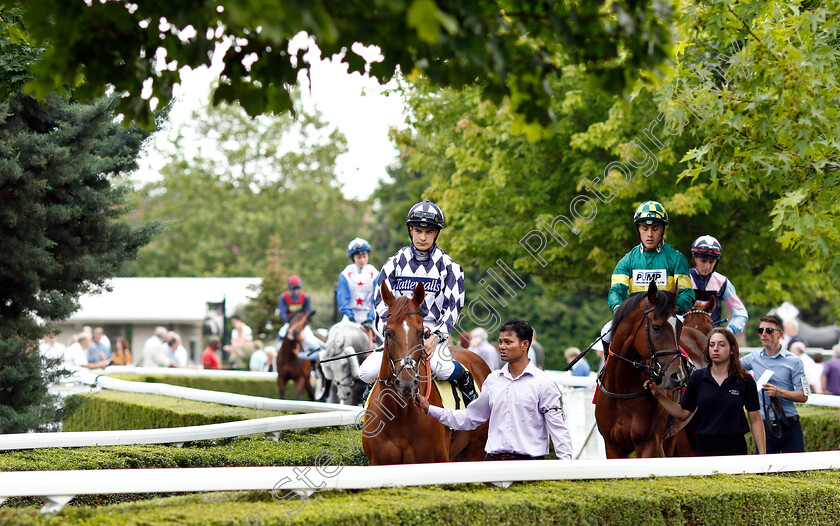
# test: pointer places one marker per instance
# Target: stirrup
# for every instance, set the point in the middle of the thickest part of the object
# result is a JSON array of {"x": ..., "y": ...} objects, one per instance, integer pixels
[{"x": 466, "y": 384}]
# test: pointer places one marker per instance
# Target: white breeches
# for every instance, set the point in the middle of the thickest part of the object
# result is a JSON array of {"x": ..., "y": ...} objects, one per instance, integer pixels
[
  {"x": 606, "y": 332},
  {"x": 443, "y": 364}
]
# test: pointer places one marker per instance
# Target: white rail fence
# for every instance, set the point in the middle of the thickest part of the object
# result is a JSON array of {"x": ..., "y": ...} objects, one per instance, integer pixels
[{"x": 57, "y": 488}]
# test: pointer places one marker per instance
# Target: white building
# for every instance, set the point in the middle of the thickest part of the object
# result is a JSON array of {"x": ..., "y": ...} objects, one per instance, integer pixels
[{"x": 135, "y": 306}]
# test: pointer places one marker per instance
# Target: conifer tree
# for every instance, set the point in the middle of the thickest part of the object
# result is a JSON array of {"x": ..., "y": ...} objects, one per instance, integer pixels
[{"x": 61, "y": 230}]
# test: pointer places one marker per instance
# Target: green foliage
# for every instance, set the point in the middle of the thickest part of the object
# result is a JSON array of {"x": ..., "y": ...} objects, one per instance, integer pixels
[
  {"x": 796, "y": 498},
  {"x": 245, "y": 386},
  {"x": 771, "y": 132},
  {"x": 115, "y": 410},
  {"x": 60, "y": 169},
  {"x": 246, "y": 198},
  {"x": 16, "y": 52},
  {"x": 510, "y": 48}
]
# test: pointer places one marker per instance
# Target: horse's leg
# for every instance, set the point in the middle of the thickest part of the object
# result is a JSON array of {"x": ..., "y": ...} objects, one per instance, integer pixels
[
  {"x": 307, "y": 384},
  {"x": 473, "y": 449},
  {"x": 650, "y": 449},
  {"x": 613, "y": 451}
]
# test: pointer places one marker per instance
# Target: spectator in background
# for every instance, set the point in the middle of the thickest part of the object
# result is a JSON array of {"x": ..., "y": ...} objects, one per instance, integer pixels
[
  {"x": 830, "y": 380},
  {"x": 95, "y": 357},
  {"x": 792, "y": 334},
  {"x": 582, "y": 367},
  {"x": 121, "y": 354},
  {"x": 101, "y": 341},
  {"x": 480, "y": 346},
  {"x": 787, "y": 386},
  {"x": 76, "y": 355},
  {"x": 271, "y": 359},
  {"x": 536, "y": 353},
  {"x": 177, "y": 355},
  {"x": 259, "y": 358},
  {"x": 812, "y": 370},
  {"x": 51, "y": 348},
  {"x": 210, "y": 358},
  {"x": 150, "y": 348}
]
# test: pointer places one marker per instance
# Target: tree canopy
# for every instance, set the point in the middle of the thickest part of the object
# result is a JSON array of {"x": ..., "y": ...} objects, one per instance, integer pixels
[
  {"x": 509, "y": 48},
  {"x": 728, "y": 141},
  {"x": 249, "y": 181}
]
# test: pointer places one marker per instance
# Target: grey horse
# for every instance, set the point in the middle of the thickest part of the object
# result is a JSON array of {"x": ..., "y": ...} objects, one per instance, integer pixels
[{"x": 345, "y": 338}]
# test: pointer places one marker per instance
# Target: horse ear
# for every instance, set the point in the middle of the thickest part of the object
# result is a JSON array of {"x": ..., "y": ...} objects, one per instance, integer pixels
[
  {"x": 387, "y": 295},
  {"x": 419, "y": 293},
  {"x": 673, "y": 291},
  {"x": 711, "y": 304},
  {"x": 651, "y": 293},
  {"x": 311, "y": 314}
]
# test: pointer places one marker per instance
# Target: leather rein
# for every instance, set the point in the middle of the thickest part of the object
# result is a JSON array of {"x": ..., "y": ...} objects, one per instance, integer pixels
[
  {"x": 407, "y": 363},
  {"x": 654, "y": 370}
]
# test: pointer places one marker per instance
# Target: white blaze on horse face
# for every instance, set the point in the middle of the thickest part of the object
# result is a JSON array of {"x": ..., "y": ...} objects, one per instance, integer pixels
[
  {"x": 405, "y": 328},
  {"x": 673, "y": 321}
]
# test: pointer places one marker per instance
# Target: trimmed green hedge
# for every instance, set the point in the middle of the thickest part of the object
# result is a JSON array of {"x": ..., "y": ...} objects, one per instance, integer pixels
[
  {"x": 800, "y": 498},
  {"x": 293, "y": 448},
  {"x": 113, "y": 410},
  {"x": 246, "y": 386}
]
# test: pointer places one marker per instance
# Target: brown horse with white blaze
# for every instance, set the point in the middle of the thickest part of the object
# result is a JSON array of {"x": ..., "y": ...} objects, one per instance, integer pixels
[
  {"x": 395, "y": 431},
  {"x": 644, "y": 347}
]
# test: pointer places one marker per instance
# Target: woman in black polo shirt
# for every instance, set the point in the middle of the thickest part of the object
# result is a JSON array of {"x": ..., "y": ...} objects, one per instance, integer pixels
[{"x": 719, "y": 393}]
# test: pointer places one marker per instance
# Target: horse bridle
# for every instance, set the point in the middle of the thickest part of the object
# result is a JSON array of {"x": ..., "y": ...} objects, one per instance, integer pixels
[
  {"x": 654, "y": 370},
  {"x": 406, "y": 363}
]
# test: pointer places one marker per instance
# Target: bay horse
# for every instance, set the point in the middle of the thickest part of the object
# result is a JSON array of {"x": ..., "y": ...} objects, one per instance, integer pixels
[
  {"x": 289, "y": 365},
  {"x": 395, "y": 431},
  {"x": 645, "y": 333},
  {"x": 700, "y": 315}
]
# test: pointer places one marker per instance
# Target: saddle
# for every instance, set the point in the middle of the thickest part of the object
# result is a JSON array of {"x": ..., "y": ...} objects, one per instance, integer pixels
[{"x": 451, "y": 396}]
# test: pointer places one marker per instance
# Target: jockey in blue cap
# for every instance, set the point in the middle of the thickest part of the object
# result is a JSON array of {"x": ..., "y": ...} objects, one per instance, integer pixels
[{"x": 356, "y": 284}]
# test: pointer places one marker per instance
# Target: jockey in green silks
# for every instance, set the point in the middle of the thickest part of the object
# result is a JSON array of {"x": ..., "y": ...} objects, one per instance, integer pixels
[{"x": 653, "y": 260}]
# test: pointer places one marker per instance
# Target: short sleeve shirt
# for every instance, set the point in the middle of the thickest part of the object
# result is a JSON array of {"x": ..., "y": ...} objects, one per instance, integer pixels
[
  {"x": 720, "y": 408},
  {"x": 788, "y": 374}
]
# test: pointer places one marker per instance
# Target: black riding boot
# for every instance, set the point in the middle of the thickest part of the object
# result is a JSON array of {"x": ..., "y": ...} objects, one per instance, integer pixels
[
  {"x": 368, "y": 389},
  {"x": 327, "y": 383},
  {"x": 466, "y": 385}
]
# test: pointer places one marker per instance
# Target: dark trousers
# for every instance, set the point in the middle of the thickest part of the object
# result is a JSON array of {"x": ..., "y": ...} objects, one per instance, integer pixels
[
  {"x": 510, "y": 456},
  {"x": 790, "y": 441},
  {"x": 714, "y": 445}
]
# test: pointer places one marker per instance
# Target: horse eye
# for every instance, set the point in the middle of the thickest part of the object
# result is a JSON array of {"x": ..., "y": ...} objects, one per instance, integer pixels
[
  {"x": 656, "y": 327},
  {"x": 420, "y": 334}
]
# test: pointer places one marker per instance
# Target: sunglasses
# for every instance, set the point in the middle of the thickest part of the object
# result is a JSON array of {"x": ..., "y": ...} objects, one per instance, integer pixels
[{"x": 768, "y": 330}]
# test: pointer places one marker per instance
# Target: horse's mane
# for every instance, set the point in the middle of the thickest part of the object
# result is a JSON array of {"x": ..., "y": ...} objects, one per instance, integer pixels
[{"x": 663, "y": 302}]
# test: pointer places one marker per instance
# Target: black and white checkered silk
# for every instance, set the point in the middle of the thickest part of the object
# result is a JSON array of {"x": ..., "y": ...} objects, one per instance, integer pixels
[{"x": 442, "y": 278}]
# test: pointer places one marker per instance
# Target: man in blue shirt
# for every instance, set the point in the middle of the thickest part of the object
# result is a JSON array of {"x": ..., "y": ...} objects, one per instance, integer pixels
[{"x": 787, "y": 385}]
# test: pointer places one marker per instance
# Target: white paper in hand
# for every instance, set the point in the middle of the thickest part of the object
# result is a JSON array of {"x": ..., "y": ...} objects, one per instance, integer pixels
[{"x": 764, "y": 379}]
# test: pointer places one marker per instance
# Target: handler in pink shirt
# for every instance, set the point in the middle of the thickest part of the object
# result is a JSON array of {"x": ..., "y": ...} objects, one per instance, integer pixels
[{"x": 521, "y": 402}]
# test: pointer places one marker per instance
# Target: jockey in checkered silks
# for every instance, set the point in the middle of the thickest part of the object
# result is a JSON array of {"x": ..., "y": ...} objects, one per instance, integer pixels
[{"x": 443, "y": 280}]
